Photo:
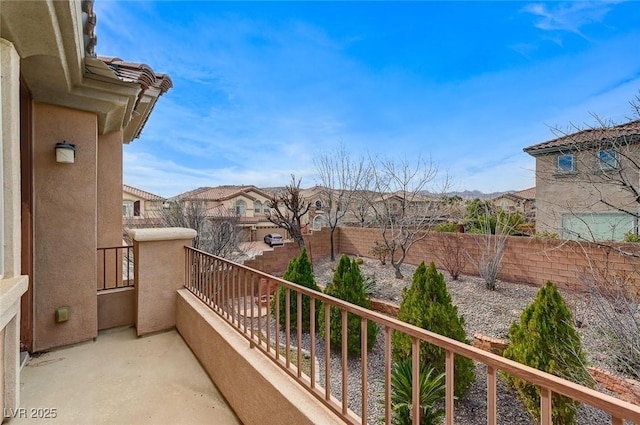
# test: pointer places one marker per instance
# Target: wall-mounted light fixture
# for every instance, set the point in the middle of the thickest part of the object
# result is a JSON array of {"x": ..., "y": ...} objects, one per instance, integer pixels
[{"x": 65, "y": 152}]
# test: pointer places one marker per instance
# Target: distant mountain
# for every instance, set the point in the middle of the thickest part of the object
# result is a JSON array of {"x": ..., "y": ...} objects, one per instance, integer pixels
[{"x": 472, "y": 194}]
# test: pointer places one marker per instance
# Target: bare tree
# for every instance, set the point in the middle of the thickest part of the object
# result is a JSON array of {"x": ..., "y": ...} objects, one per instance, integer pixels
[
  {"x": 403, "y": 211},
  {"x": 218, "y": 228},
  {"x": 286, "y": 209},
  {"x": 339, "y": 176}
]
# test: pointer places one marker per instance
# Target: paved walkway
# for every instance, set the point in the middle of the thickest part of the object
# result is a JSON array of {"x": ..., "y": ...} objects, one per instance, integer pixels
[{"x": 121, "y": 379}]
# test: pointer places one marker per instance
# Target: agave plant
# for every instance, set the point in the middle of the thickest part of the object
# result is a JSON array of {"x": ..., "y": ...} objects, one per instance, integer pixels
[{"x": 432, "y": 394}]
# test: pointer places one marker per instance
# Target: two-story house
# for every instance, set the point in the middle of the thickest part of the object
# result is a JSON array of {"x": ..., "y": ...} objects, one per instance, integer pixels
[
  {"x": 522, "y": 201},
  {"x": 140, "y": 208},
  {"x": 587, "y": 183},
  {"x": 248, "y": 203}
]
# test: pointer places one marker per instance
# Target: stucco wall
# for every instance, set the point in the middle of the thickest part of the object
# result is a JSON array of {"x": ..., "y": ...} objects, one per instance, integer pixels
[
  {"x": 110, "y": 189},
  {"x": 116, "y": 307},
  {"x": 577, "y": 193},
  {"x": 257, "y": 390},
  {"x": 65, "y": 228}
]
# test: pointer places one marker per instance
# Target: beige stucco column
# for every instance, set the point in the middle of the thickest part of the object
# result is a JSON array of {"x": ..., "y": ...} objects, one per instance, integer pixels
[
  {"x": 12, "y": 283},
  {"x": 159, "y": 272}
]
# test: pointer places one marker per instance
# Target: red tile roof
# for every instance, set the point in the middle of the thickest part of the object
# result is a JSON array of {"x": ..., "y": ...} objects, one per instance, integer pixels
[
  {"x": 147, "y": 196},
  {"x": 221, "y": 193},
  {"x": 588, "y": 136},
  {"x": 526, "y": 193}
]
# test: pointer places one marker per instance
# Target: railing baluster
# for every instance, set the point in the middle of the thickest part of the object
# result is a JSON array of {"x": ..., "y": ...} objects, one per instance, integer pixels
[
  {"x": 616, "y": 421},
  {"x": 276, "y": 321},
  {"x": 345, "y": 370},
  {"x": 491, "y": 396},
  {"x": 387, "y": 375},
  {"x": 327, "y": 352},
  {"x": 299, "y": 334},
  {"x": 363, "y": 371},
  {"x": 545, "y": 406},
  {"x": 253, "y": 291},
  {"x": 265, "y": 286},
  {"x": 415, "y": 380},
  {"x": 287, "y": 328},
  {"x": 450, "y": 383},
  {"x": 312, "y": 332}
]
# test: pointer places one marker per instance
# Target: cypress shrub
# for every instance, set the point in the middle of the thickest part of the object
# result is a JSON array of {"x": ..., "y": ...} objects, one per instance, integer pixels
[
  {"x": 427, "y": 304},
  {"x": 348, "y": 285},
  {"x": 545, "y": 338},
  {"x": 298, "y": 271}
]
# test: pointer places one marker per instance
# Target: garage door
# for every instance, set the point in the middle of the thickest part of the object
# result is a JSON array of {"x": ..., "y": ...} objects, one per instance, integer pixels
[{"x": 597, "y": 226}]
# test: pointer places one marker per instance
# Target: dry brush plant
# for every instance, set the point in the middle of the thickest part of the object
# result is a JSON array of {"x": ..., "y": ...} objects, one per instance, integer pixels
[
  {"x": 452, "y": 256},
  {"x": 614, "y": 298}
]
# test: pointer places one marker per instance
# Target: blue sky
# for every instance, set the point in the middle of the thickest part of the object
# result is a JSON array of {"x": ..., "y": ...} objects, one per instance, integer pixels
[{"x": 262, "y": 88}]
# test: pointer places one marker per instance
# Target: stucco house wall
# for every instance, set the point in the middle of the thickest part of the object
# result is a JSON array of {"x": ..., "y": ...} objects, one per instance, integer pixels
[{"x": 559, "y": 194}]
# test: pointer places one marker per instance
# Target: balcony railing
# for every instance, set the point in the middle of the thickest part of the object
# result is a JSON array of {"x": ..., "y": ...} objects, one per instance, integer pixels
[
  {"x": 231, "y": 289},
  {"x": 115, "y": 267}
]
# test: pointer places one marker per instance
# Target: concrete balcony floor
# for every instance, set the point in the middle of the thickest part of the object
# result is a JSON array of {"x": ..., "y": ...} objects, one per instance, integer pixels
[{"x": 122, "y": 379}]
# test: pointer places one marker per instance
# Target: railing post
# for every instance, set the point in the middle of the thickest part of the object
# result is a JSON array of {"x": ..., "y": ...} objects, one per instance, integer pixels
[
  {"x": 545, "y": 406},
  {"x": 159, "y": 273}
]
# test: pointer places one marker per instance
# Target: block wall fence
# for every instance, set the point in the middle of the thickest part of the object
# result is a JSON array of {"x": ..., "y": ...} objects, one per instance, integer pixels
[{"x": 526, "y": 260}]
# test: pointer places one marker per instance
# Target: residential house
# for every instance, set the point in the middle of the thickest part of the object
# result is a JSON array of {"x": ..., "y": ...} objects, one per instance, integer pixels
[
  {"x": 140, "y": 208},
  {"x": 523, "y": 201},
  {"x": 587, "y": 183},
  {"x": 248, "y": 203}
]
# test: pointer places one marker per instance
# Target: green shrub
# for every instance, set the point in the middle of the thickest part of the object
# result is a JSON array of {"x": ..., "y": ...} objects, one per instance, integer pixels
[
  {"x": 546, "y": 234},
  {"x": 546, "y": 339},
  {"x": 449, "y": 227},
  {"x": 348, "y": 285},
  {"x": 432, "y": 394},
  {"x": 427, "y": 304},
  {"x": 298, "y": 271},
  {"x": 631, "y": 237}
]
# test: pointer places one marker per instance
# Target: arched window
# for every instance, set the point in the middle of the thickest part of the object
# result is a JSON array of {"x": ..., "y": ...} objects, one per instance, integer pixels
[
  {"x": 257, "y": 207},
  {"x": 240, "y": 207},
  {"x": 136, "y": 209},
  {"x": 266, "y": 207},
  {"x": 318, "y": 205}
]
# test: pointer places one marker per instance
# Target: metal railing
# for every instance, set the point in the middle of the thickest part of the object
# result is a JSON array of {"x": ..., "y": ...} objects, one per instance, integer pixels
[
  {"x": 115, "y": 267},
  {"x": 230, "y": 289}
]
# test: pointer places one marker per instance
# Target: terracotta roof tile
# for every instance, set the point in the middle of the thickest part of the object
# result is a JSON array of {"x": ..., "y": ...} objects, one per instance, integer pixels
[
  {"x": 526, "y": 193},
  {"x": 588, "y": 136},
  {"x": 148, "y": 196},
  {"x": 220, "y": 193}
]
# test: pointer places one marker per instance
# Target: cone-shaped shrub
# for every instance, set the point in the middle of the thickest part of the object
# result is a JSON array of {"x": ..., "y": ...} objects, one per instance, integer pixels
[
  {"x": 546, "y": 339},
  {"x": 427, "y": 304},
  {"x": 348, "y": 285},
  {"x": 298, "y": 271}
]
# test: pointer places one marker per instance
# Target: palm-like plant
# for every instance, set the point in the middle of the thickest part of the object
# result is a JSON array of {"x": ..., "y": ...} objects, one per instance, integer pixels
[{"x": 432, "y": 393}]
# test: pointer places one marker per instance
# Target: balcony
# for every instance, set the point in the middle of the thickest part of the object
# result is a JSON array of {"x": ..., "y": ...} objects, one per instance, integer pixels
[{"x": 219, "y": 309}]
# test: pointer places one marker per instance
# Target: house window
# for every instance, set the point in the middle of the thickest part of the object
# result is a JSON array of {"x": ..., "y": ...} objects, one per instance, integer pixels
[
  {"x": 608, "y": 160},
  {"x": 240, "y": 207},
  {"x": 257, "y": 207},
  {"x": 136, "y": 209},
  {"x": 318, "y": 205},
  {"x": 266, "y": 207},
  {"x": 566, "y": 163},
  {"x": 127, "y": 209}
]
